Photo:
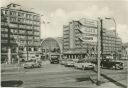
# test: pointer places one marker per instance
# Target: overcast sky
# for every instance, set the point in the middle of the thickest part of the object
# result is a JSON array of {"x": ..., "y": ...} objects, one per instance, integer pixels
[{"x": 59, "y": 12}]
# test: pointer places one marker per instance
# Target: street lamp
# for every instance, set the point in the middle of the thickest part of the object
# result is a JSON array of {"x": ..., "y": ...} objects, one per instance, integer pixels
[
  {"x": 100, "y": 30},
  {"x": 108, "y": 18},
  {"x": 100, "y": 23}
]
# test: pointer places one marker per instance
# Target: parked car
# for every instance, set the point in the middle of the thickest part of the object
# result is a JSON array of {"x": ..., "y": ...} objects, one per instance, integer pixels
[
  {"x": 111, "y": 63},
  {"x": 69, "y": 63},
  {"x": 31, "y": 64},
  {"x": 84, "y": 65},
  {"x": 63, "y": 62}
]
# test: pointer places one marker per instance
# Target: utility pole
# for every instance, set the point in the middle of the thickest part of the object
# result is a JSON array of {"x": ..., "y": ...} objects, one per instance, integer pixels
[{"x": 99, "y": 50}]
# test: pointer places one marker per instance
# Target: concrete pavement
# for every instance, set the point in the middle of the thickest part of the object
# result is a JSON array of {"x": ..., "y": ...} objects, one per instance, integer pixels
[{"x": 58, "y": 75}]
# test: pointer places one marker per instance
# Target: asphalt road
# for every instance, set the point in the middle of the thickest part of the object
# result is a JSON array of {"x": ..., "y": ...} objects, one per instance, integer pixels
[{"x": 55, "y": 75}]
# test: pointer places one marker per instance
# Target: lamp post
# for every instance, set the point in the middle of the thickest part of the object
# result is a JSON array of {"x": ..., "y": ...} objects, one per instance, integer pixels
[
  {"x": 99, "y": 49},
  {"x": 108, "y": 18}
]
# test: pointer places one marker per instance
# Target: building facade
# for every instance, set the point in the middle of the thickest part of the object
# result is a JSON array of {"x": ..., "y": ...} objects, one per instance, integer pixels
[
  {"x": 20, "y": 30},
  {"x": 80, "y": 39},
  {"x": 125, "y": 51}
]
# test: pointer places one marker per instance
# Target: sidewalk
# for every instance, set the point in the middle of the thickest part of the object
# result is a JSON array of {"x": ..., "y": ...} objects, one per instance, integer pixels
[
  {"x": 109, "y": 82},
  {"x": 108, "y": 85}
]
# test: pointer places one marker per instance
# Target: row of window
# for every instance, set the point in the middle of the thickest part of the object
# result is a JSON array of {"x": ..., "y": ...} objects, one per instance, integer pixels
[
  {"x": 66, "y": 37},
  {"x": 4, "y": 24},
  {"x": 20, "y": 14},
  {"x": 4, "y": 35},
  {"x": 66, "y": 33},
  {"x": 4, "y": 41},
  {"x": 13, "y": 49},
  {"x": 36, "y": 33},
  {"x": 111, "y": 38},
  {"x": 29, "y": 27},
  {"x": 21, "y": 20},
  {"x": 111, "y": 42},
  {"x": 4, "y": 29}
]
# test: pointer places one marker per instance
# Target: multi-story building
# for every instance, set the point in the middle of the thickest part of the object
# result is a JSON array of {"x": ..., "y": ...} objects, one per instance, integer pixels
[
  {"x": 20, "y": 30},
  {"x": 111, "y": 43},
  {"x": 80, "y": 39}
]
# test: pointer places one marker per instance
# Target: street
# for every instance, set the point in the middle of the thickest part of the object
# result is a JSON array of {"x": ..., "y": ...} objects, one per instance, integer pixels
[{"x": 56, "y": 75}]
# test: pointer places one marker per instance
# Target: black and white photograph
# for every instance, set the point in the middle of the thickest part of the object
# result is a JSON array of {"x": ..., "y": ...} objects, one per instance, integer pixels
[{"x": 64, "y": 43}]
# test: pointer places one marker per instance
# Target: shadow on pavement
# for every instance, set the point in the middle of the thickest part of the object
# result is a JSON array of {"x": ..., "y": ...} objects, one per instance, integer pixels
[
  {"x": 11, "y": 83},
  {"x": 112, "y": 80},
  {"x": 82, "y": 79}
]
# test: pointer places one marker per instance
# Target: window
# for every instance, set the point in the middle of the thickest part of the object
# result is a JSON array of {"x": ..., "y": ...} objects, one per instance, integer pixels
[
  {"x": 19, "y": 13},
  {"x": 14, "y": 30},
  {"x": 13, "y": 13},
  {"x": 3, "y": 49},
  {"x": 13, "y": 25},
  {"x": 35, "y": 48},
  {"x": 21, "y": 31},
  {"x": 4, "y": 11},
  {"x": 37, "y": 38},
  {"x": 4, "y": 35},
  {"x": 30, "y": 32},
  {"x": 30, "y": 37},
  {"x": 23, "y": 14},
  {"x": 4, "y": 29},
  {"x": 22, "y": 37},
  {"x": 4, "y": 41},
  {"x": 29, "y": 49},
  {"x": 36, "y": 33},
  {"x": 21, "y": 48}
]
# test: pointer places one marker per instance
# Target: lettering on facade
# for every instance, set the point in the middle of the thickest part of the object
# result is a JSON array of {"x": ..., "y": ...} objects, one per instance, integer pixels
[{"x": 89, "y": 34}]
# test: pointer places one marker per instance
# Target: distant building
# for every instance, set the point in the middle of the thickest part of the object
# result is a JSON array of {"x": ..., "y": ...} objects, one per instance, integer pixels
[
  {"x": 19, "y": 28},
  {"x": 80, "y": 39},
  {"x": 51, "y": 46}
]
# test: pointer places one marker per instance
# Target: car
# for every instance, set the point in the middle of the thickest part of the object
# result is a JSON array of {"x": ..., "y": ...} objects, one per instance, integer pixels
[
  {"x": 31, "y": 64},
  {"x": 84, "y": 65},
  {"x": 63, "y": 62},
  {"x": 111, "y": 63},
  {"x": 69, "y": 63}
]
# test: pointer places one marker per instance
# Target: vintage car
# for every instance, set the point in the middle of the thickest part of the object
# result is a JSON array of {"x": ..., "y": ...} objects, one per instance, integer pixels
[
  {"x": 31, "y": 64},
  {"x": 111, "y": 63},
  {"x": 69, "y": 63},
  {"x": 63, "y": 62},
  {"x": 84, "y": 65}
]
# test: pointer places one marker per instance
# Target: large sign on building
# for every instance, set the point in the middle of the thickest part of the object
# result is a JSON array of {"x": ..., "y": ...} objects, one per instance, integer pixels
[{"x": 89, "y": 34}]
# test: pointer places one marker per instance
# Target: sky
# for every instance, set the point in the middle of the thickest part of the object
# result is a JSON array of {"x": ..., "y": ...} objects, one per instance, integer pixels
[{"x": 56, "y": 13}]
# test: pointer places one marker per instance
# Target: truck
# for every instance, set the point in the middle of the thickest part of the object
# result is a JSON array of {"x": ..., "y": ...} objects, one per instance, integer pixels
[{"x": 111, "y": 63}]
